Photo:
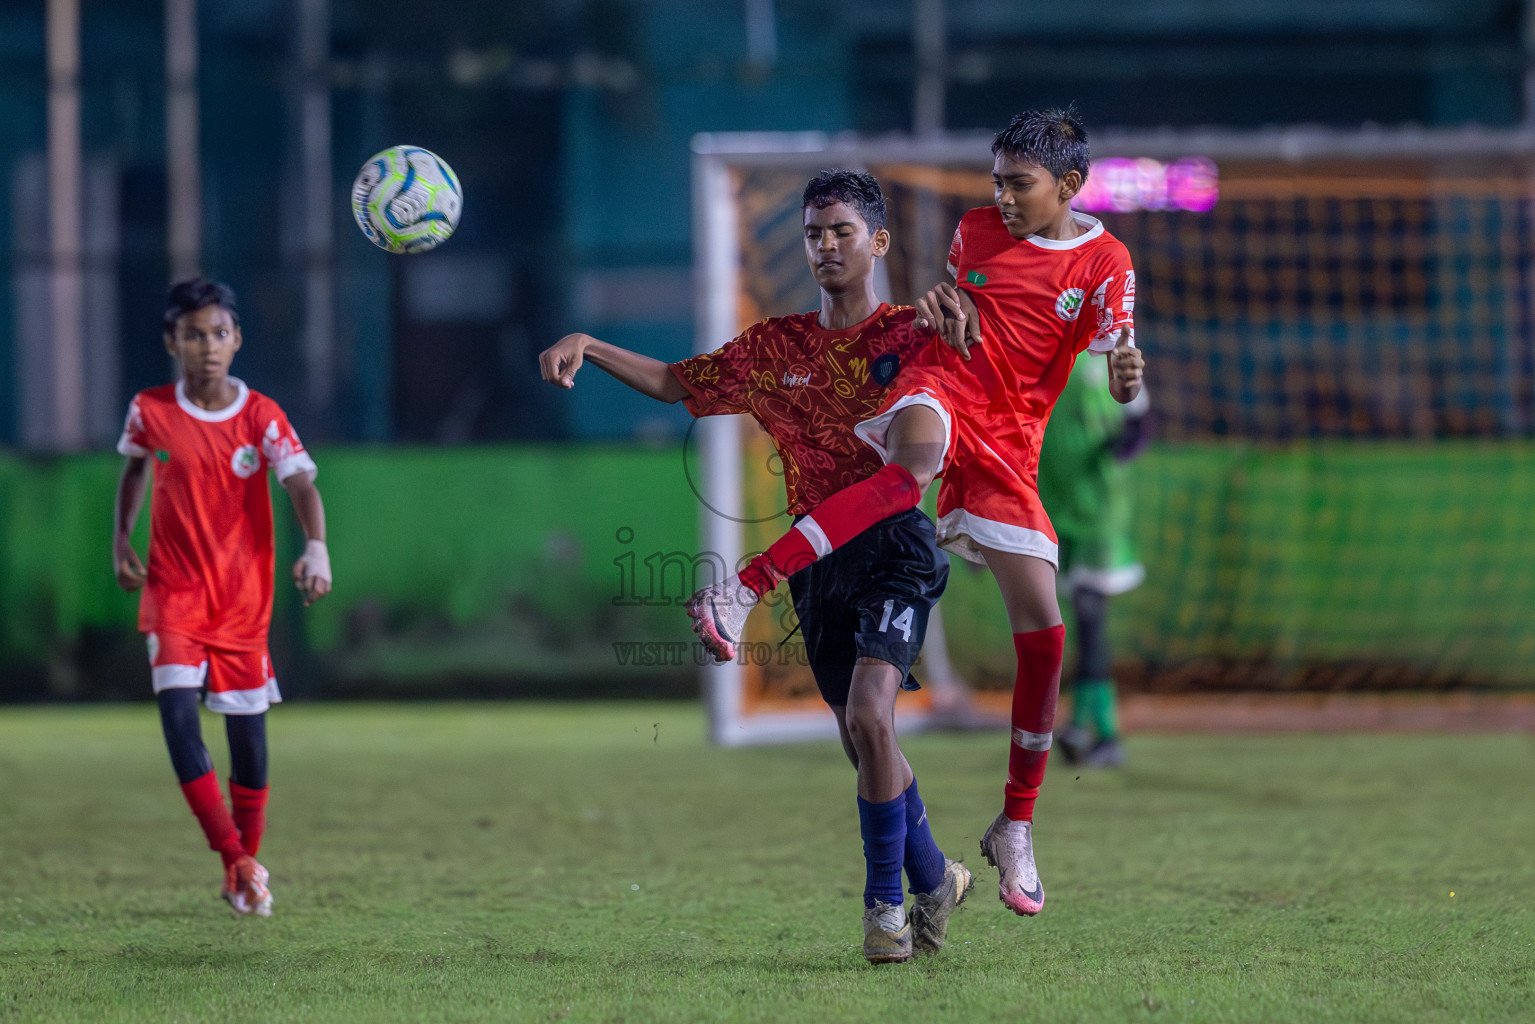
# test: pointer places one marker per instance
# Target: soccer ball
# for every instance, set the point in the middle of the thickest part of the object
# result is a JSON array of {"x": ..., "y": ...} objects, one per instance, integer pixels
[{"x": 406, "y": 199}]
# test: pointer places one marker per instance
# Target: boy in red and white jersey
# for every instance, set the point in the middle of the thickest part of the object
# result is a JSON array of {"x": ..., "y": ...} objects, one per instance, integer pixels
[
  {"x": 1037, "y": 284},
  {"x": 207, "y": 599}
]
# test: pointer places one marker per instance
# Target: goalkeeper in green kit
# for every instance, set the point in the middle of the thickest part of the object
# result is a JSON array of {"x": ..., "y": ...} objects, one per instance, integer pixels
[{"x": 1085, "y": 489}]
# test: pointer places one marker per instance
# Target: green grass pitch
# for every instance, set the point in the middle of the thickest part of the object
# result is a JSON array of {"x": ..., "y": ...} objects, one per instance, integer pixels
[{"x": 517, "y": 862}]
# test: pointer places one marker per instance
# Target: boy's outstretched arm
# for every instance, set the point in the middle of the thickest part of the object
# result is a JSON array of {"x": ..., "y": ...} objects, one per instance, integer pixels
[
  {"x": 126, "y": 565},
  {"x": 560, "y": 361},
  {"x": 311, "y": 573}
]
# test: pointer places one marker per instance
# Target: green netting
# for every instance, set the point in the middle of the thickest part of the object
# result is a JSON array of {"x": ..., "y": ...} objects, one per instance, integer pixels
[
  {"x": 1322, "y": 348},
  {"x": 56, "y": 555},
  {"x": 484, "y": 561},
  {"x": 1327, "y": 565},
  {"x": 1333, "y": 566},
  {"x": 1324, "y": 298}
]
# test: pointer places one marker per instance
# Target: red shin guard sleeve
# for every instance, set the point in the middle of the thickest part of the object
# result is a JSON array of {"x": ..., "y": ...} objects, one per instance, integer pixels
[
  {"x": 249, "y": 814},
  {"x": 1035, "y": 692},
  {"x": 842, "y": 517},
  {"x": 207, "y": 803}
]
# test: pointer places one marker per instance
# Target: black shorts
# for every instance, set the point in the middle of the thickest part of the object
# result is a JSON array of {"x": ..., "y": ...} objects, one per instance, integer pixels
[{"x": 870, "y": 598}]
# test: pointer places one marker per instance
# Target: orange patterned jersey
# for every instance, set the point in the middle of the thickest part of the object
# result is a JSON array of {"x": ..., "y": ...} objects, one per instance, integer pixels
[
  {"x": 808, "y": 387},
  {"x": 210, "y": 524}
]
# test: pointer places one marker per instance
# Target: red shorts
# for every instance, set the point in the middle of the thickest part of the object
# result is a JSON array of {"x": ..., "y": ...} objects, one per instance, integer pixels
[
  {"x": 989, "y": 497},
  {"x": 235, "y": 682}
]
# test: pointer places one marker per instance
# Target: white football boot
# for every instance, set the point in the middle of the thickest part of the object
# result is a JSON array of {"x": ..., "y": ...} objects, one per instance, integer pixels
[
  {"x": 245, "y": 888},
  {"x": 930, "y": 912},
  {"x": 719, "y": 616},
  {"x": 886, "y": 934},
  {"x": 1009, "y": 846}
]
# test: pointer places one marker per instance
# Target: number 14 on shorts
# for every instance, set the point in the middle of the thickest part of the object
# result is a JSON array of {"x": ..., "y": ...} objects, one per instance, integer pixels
[{"x": 902, "y": 621}]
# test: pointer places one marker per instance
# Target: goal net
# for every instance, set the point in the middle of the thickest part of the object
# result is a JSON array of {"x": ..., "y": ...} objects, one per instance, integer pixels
[{"x": 1340, "y": 336}]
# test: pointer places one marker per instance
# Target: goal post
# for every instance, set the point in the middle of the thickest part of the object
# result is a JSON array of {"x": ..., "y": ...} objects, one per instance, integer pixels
[
  {"x": 767, "y": 695},
  {"x": 1297, "y": 287}
]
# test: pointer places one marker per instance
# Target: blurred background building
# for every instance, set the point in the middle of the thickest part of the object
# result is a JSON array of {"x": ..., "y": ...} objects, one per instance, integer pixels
[{"x": 569, "y": 124}]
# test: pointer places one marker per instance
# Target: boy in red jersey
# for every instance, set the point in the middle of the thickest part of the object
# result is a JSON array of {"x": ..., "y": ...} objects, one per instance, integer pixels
[
  {"x": 808, "y": 379},
  {"x": 1041, "y": 284},
  {"x": 208, "y": 589}
]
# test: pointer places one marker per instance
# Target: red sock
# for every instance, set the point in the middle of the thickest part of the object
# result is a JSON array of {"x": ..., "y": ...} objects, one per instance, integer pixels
[
  {"x": 207, "y": 803},
  {"x": 835, "y": 521},
  {"x": 250, "y": 814},
  {"x": 1034, "y": 696}
]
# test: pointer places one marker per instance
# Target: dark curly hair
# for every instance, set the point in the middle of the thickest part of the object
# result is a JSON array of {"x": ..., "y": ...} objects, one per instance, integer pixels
[
  {"x": 857, "y": 189},
  {"x": 1054, "y": 139},
  {"x": 193, "y": 294}
]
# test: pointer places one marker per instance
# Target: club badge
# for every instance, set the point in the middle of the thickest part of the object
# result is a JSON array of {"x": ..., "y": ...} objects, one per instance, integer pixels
[
  {"x": 246, "y": 461},
  {"x": 1069, "y": 303}
]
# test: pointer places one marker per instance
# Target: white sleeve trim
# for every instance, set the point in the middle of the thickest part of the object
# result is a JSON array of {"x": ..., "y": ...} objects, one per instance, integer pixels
[
  {"x": 128, "y": 448},
  {"x": 1103, "y": 344},
  {"x": 298, "y": 462},
  {"x": 815, "y": 535}
]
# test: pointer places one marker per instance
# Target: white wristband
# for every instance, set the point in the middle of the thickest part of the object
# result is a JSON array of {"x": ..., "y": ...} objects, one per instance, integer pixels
[{"x": 316, "y": 560}]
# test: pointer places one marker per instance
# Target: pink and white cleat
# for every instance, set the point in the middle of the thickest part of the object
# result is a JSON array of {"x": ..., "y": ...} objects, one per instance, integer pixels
[
  {"x": 245, "y": 888},
  {"x": 719, "y": 616},
  {"x": 1009, "y": 846}
]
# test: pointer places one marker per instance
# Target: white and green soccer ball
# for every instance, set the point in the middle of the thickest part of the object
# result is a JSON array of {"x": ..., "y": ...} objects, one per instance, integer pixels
[{"x": 407, "y": 199}]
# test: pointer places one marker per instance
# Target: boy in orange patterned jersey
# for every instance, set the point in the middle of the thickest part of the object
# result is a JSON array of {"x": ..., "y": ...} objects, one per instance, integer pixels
[
  {"x": 208, "y": 586},
  {"x": 808, "y": 379}
]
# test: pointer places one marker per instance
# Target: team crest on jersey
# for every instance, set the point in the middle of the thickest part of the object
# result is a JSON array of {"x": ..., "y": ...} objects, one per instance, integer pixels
[
  {"x": 884, "y": 369},
  {"x": 246, "y": 461},
  {"x": 976, "y": 278},
  {"x": 1069, "y": 303}
]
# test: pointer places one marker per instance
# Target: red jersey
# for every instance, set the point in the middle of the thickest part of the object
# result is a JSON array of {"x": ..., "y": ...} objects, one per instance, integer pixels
[
  {"x": 210, "y": 529},
  {"x": 1042, "y": 302},
  {"x": 808, "y": 387}
]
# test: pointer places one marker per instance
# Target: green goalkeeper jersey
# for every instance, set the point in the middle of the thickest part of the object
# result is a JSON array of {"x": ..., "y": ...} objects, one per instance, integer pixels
[{"x": 1084, "y": 488}]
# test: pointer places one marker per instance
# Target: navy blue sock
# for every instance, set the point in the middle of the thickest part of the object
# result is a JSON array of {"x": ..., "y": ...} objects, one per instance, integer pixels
[
  {"x": 924, "y": 861},
  {"x": 247, "y": 749},
  {"x": 884, "y": 838},
  {"x": 183, "y": 733}
]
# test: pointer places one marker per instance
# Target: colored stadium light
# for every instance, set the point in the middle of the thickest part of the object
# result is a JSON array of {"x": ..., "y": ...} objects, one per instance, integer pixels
[{"x": 1124, "y": 185}]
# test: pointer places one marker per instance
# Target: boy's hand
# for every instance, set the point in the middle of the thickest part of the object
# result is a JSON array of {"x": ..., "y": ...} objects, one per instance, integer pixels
[
  {"x": 1125, "y": 366},
  {"x": 950, "y": 312},
  {"x": 560, "y": 361},
  {"x": 311, "y": 573},
  {"x": 130, "y": 572}
]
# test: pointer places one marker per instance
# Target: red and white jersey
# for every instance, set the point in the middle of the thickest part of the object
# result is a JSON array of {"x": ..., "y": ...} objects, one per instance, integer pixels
[
  {"x": 210, "y": 530},
  {"x": 1042, "y": 301}
]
